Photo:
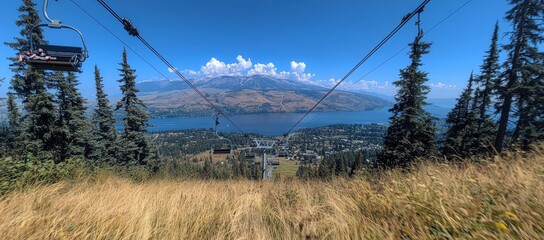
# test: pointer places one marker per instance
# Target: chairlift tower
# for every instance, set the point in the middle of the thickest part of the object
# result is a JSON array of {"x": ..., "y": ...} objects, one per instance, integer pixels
[{"x": 264, "y": 145}]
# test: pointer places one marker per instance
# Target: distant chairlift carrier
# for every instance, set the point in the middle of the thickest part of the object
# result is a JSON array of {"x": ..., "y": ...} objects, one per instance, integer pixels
[
  {"x": 63, "y": 58},
  {"x": 223, "y": 149}
]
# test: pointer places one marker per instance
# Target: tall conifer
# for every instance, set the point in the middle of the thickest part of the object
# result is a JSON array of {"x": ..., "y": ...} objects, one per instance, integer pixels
[
  {"x": 14, "y": 123},
  {"x": 73, "y": 131},
  {"x": 105, "y": 134},
  {"x": 520, "y": 83},
  {"x": 461, "y": 137},
  {"x": 29, "y": 85},
  {"x": 135, "y": 146},
  {"x": 411, "y": 133}
]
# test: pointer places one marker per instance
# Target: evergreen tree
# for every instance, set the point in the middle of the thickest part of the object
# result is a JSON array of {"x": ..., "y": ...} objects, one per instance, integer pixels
[
  {"x": 489, "y": 79},
  {"x": 26, "y": 80},
  {"x": 462, "y": 121},
  {"x": 136, "y": 149},
  {"x": 29, "y": 85},
  {"x": 521, "y": 68},
  {"x": 73, "y": 129},
  {"x": 529, "y": 125},
  {"x": 39, "y": 129},
  {"x": 411, "y": 133},
  {"x": 105, "y": 134},
  {"x": 490, "y": 71},
  {"x": 357, "y": 164},
  {"x": 14, "y": 123}
]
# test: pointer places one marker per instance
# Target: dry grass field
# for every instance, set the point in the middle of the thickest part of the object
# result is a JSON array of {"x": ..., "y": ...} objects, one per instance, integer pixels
[{"x": 499, "y": 199}]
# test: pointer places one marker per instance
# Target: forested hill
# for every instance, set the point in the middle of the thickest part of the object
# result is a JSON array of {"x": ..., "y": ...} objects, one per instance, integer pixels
[{"x": 248, "y": 94}]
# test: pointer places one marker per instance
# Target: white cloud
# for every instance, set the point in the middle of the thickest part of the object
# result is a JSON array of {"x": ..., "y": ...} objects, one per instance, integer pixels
[
  {"x": 216, "y": 68},
  {"x": 263, "y": 69},
  {"x": 245, "y": 67},
  {"x": 191, "y": 73},
  {"x": 441, "y": 85},
  {"x": 297, "y": 70},
  {"x": 298, "y": 67},
  {"x": 171, "y": 70}
]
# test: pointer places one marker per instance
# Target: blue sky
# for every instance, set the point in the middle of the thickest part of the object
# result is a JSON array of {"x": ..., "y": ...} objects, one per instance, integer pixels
[{"x": 305, "y": 40}]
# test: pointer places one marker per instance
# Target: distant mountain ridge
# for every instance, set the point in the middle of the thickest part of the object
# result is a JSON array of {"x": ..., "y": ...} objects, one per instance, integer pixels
[
  {"x": 235, "y": 83},
  {"x": 247, "y": 94}
]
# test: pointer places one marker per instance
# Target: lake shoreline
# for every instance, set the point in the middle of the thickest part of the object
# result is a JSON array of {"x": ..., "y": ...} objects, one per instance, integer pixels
[{"x": 276, "y": 124}]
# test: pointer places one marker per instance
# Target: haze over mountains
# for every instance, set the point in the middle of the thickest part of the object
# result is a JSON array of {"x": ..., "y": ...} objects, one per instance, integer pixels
[{"x": 247, "y": 94}]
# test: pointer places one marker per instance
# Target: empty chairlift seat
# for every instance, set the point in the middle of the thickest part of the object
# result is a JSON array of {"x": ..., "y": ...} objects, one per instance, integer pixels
[
  {"x": 221, "y": 151},
  {"x": 63, "y": 58}
]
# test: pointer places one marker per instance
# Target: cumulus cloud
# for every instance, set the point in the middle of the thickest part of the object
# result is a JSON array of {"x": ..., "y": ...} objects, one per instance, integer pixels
[
  {"x": 441, "y": 85},
  {"x": 216, "y": 68},
  {"x": 298, "y": 71},
  {"x": 263, "y": 69},
  {"x": 171, "y": 70},
  {"x": 191, "y": 73},
  {"x": 245, "y": 67}
]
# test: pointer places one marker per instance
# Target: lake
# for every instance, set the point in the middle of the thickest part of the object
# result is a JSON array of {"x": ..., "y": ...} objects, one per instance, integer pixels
[{"x": 276, "y": 124}]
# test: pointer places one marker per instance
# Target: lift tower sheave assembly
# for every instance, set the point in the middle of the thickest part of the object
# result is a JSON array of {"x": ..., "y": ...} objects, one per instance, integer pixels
[{"x": 264, "y": 145}]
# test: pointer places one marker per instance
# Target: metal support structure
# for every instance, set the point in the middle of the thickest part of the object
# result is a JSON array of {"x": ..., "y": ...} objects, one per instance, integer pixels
[
  {"x": 265, "y": 145},
  {"x": 418, "y": 23}
]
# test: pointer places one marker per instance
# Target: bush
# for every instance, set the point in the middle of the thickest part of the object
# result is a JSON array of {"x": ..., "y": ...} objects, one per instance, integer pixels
[{"x": 16, "y": 174}]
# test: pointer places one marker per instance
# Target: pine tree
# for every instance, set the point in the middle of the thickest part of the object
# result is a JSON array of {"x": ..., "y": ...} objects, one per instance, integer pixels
[
  {"x": 529, "y": 106},
  {"x": 73, "y": 129},
  {"x": 14, "y": 123},
  {"x": 105, "y": 134},
  {"x": 39, "y": 129},
  {"x": 462, "y": 120},
  {"x": 411, "y": 133},
  {"x": 27, "y": 80},
  {"x": 135, "y": 146},
  {"x": 357, "y": 164},
  {"x": 29, "y": 85},
  {"x": 490, "y": 71},
  {"x": 526, "y": 17},
  {"x": 488, "y": 82}
]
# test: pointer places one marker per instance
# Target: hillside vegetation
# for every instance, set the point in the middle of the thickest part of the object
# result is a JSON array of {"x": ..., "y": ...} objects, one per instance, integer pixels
[
  {"x": 252, "y": 94},
  {"x": 500, "y": 198}
]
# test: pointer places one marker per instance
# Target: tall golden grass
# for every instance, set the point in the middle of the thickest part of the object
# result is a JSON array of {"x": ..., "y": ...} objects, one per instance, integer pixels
[{"x": 498, "y": 199}]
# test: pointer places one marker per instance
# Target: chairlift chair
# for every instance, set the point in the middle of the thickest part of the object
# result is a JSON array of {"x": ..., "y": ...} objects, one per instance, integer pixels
[
  {"x": 223, "y": 149},
  {"x": 63, "y": 58}
]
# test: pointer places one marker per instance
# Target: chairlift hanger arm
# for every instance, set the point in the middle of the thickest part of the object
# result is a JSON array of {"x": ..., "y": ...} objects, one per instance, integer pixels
[{"x": 45, "y": 3}]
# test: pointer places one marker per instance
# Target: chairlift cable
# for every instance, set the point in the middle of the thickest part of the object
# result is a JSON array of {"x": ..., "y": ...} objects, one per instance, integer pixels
[
  {"x": 402, "y": 50},
  {"x": 405, "y": 20},
  {"x": 134, "y": 51},
  {"x": 133, "y": 32},
  {"x": 428, "y": 31}
]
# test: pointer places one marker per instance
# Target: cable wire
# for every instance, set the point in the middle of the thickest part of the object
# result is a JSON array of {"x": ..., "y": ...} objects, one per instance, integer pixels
[
  {"x": 132, "y": 50},
  {"x": 402, "y": 50},
  {"x": 405, "y": 20},
  {"x": 133, "y": 32}
]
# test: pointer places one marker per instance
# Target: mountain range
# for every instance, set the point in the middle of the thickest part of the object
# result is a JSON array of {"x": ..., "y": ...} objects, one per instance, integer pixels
[{"x": 247, "y": 94}]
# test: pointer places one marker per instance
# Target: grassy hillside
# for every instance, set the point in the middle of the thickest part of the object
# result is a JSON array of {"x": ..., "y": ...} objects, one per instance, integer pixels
[{"x": 499, "y": 199}]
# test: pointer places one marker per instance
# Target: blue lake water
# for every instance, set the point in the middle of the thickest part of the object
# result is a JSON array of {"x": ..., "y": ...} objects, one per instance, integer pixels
[{"x": 276, "y": 124}]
